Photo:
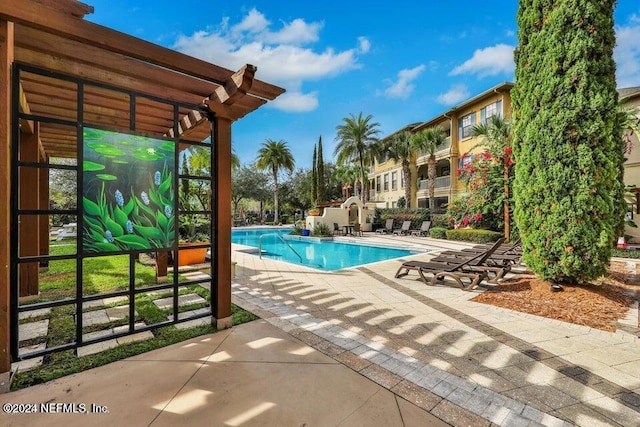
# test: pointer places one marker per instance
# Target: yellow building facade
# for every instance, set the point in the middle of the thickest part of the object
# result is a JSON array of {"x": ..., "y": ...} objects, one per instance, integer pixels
[
  {"x": 457, "y": 123},
  {"x": 631, "y": 99}
]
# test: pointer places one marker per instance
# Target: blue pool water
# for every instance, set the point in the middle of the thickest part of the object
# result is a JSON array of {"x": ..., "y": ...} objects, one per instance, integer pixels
[{"x": 324, "y": 255}]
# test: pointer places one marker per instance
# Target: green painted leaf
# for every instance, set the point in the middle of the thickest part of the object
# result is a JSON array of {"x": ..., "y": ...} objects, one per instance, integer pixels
[
  {"x": 154, "y": 197},
  {"x": 91, "y": 221},
  {"x": 149, "y": 232},
  {"x": 133, "y": 241},
  {"x": 145, "y": 208},
  {"x": 90, "y": 208},
  {"x": 106, "y": 247},
  {"x": 115, "y": 228},
  {"x": 88, "y": 166},
  {"x": 106, "y": 177},
  {"x": 128, "y": 207},
  {"x": 120, "y": 217},
  {"x": 166, "y": 185},
  {"x": 163, "y": 221}
]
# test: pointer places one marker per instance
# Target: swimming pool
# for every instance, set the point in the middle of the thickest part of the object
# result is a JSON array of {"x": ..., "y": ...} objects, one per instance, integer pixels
[{"x": 325, "y": 255}]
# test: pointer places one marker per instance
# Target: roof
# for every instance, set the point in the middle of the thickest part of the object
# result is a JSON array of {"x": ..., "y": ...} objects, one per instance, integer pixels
[
  {"x": 629, "y": 92},
  {"x": 502, "y": 87},
  {"x": 52, "y": 35}
]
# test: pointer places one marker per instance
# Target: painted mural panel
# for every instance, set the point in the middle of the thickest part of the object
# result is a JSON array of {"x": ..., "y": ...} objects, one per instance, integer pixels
[{"x": 128, "y": 192}]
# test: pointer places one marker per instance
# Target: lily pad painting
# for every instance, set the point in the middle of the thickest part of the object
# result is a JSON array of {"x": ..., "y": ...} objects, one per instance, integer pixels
[{"x": 128, "y": 192}]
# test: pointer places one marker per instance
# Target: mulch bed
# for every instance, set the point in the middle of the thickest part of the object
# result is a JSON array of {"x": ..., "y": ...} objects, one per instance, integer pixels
[{"x": 599, "y": 304}]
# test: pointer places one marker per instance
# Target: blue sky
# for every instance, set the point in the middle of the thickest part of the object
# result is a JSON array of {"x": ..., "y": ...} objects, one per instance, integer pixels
[{"x": 402, "y": 62}]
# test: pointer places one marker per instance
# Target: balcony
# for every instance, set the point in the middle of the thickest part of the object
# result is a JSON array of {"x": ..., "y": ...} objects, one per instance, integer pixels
[
  {"x": 442, "y": 147},
  {"x": 441, "y": 182}
]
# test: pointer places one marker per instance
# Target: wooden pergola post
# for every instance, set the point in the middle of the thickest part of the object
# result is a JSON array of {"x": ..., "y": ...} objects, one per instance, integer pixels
[
  {"x": 221, "y": 263},
  {"x": 6, "y": 60}
]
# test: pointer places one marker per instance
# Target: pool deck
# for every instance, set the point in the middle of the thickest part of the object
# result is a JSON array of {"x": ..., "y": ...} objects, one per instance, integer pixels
[
  {"x": 359, "y": 347},
  {"x": 464, "y": 362}
]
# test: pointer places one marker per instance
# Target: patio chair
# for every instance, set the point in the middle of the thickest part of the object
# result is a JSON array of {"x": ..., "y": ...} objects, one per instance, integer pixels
[
  {"x": 406, "y": 225},
  {"x": 423, "y": 230},
  {"x": 357, "y": 230},
  {"x": 388, "y": 228},
  {"x": 456, "y": 271},
  {"x": 504, "y": 254},
  {"x": 496, "y": 268},
  {"x": 336, "y": 229}
]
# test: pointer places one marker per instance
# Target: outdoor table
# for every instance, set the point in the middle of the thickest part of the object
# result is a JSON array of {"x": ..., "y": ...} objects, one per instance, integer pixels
[{"x": 348, "y": 229}]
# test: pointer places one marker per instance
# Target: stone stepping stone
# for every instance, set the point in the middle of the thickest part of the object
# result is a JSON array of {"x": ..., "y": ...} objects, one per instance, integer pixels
[
  {"x": 96, "y": 317},
  {"x": 97, "y": 347},
  {"x": 34, "y": 313},
  {"x": 27, "y": 364},
  {"x": 182, "y": 300},
  {"x": 118, "y": 313},
  {"x": 186, "y": 314},
  {"x": 31, "y": 330}
]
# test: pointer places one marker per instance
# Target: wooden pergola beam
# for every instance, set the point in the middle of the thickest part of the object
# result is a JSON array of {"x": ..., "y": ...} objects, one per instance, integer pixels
[{"x": 30, "y": 13}]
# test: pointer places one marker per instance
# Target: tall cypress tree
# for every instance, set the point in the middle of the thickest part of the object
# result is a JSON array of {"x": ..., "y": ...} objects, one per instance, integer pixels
[
  {"x": 314, "y": 179},
  {"x": 320, "y": 179},
  {"x": 566, "y": 138}
]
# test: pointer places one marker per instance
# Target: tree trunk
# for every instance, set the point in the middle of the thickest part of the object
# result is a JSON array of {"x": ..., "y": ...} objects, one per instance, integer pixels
[
  {"x": 407, "y": 182},
  {"x": 275, "y": 197},
  {"x": 507, "y": 231},
  {"x": 431, "y": 174}
]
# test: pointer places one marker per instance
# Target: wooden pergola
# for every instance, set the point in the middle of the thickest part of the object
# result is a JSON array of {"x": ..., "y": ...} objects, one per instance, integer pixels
[{"x": 52, "y": 35}]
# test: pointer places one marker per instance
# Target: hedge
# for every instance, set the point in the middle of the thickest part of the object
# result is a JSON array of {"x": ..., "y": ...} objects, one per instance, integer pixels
[
  {"x": 473, "y": 235},
  {"x": 438, "y": 233}
]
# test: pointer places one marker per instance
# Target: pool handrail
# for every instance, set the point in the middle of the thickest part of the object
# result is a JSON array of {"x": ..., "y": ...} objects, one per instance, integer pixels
[{"x": 279, "y": 237}]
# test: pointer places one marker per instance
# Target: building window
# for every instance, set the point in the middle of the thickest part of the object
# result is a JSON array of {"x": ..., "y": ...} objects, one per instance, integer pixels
[
  {"x": 386, "y": 182},
  {"x": 493, "y": 109},
  {"x": 402, "y": 180},
  {"x": 465, "y": 125},
  {"x": 394, "y": 180},
  {"x": 378, "y": 183}
]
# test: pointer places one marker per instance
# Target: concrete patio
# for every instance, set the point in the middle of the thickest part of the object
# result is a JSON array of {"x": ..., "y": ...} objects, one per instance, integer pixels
[{"x": 359, "y": 347}]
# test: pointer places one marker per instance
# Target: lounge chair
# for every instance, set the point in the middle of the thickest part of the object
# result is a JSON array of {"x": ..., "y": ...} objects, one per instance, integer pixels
[
  {"x": 406, "y": 225},
  {"x": 388, "y": 228},
  {"x": 504, "y": 254},
  {"x": 494, "y": 267},
  {"x": 423, "y": 230},
  {"x": 456, "y": 271}
]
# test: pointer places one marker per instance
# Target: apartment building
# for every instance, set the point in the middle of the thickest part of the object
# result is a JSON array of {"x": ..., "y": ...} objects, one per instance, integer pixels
[
  {"x": 385, "y": 178},
  {"x": 631, "y": 98}
]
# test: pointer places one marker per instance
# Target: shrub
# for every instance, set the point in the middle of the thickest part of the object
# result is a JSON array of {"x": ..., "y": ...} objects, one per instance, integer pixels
[
  {"x": 297, "y": 230},
  {"x": 567, "y": 138},
  {"x": 438, "y": 233},
  {"x": 322, "y": 230},
  {"x": 473, "y": 235},
  {"x": 416, "y": 216},
  {"x": 440, "y": 221}
]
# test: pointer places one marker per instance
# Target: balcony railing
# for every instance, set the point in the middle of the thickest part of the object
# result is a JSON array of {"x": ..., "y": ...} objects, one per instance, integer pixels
[
  {"x": 442, "y": 147},
  {"x": 441, "y": 182}
]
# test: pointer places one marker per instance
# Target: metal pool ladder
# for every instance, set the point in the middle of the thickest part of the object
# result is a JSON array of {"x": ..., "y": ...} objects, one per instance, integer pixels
[{"x": 279, "y": 237}]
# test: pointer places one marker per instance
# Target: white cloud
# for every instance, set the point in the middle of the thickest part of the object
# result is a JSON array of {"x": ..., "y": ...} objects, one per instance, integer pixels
[
  {"x": 488, "y": 62},
  {"x": 402, "y": 88},
  {"x": 365, "y": 44},
  {"x": 280, "y": 54},
  {"x": 296, "y": 101},
  {"x": 457, "y": 93},
  {"x": 627, "y": 54}
]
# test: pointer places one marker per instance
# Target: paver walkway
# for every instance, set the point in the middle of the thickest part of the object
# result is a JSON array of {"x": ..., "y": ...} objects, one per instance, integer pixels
[{"x": 465, "y": 362}]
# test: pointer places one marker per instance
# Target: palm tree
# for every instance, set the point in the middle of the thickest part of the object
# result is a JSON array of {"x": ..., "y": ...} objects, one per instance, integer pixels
[
  {"x": 428, "y": 141},
  {"x": 356, "y": 138},
  {"x": 275, "y": 155},
  {"x": 347, "y": 174},
  {"x": 400, "y": 149},
  {"x": 498, "y": 133}
]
